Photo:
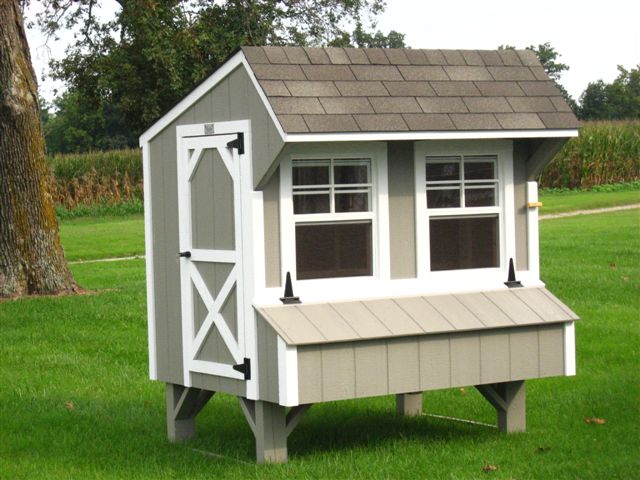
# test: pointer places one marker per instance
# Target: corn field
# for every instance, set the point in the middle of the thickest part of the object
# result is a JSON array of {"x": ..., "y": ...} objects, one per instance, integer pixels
[
  {"x": 97, "y": 178},
  {"x": 605, "y": 153}
]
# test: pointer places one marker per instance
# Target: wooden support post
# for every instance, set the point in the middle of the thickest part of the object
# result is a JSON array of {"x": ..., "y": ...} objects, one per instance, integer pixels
[
  {"x": 183, "y": 404},
  {"x": 270, "y": 432},
  {"x": 409, "y": 404},
  {"x": 271, "y": 424},
  {"x": 509, "y": 400}
]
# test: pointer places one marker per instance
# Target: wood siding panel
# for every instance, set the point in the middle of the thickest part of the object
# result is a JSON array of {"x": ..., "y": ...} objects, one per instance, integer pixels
[
  {"x": 435, "y": 362},
  {"x": 310, "y": 375},
  {"x": 271, "y": 210},
  {"x": 524, "y": 353},
  {"x": 514, "y": 308},
  {"x": 338, "y": 372},
  {"x": 549, "y": 311},
  {"x": 214, "y": 106},
  {"x": 371, "y": 368},
  {"x": 551, "y": 338},
  {"x": 393, "y": 317},
  {"x": 485, "y": 310},
  {"x": 423, "y": 313},
  {"x": 404, "y": 365},
  {"x": 328, "y": 322},
  {"x": 294, "y": 327},
  {"x": 520, "y": 155},
  {"x": 457, "y": 314},
  {"x": 268, "y": 381},
  {"x": 494, "y": 357},
  {"x": 465, "y": 359},
  {"x": 402, "y": 232},
  {"x": 361, "y": 320},
  {"x": 429, "y": 362}
]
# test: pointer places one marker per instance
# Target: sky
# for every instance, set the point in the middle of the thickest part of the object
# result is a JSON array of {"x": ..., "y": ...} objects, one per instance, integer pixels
[{"x": 593, "y": 37}]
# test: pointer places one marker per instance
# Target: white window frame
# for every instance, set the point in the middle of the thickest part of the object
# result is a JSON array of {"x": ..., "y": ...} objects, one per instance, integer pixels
[
  {"x": 503, "y": 150},
  {"x": 378, "y": 214}
]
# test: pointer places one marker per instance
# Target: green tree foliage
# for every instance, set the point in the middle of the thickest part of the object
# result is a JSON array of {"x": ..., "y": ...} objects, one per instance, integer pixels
[
  {"x": 613, "y": 101},
  {"x": 153, "y": 52},
  {"x": 77, "y": 126},
  {"x": 549, "y": 58}
]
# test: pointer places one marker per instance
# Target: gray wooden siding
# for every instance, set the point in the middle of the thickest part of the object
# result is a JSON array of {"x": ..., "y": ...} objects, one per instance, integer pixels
[
  {"x": 268, "y": 382},
  {"x": 520, "y": 156},
  {"x": 403, "y": 316},
  {"x": 402, "y": 241},
  {"x": 368, "y": 368},
  {"x": 232, "y": 99},
  {"x": 271, "y": 207}
]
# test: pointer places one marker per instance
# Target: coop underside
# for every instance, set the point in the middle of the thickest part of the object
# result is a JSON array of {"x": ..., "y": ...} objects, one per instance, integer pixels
[
  {"x": 312, "y": 353},
  {"x": 271, "y": 424}
]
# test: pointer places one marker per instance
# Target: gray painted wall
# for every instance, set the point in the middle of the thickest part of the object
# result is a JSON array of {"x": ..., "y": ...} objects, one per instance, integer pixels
[
  {"x": 402, "y": 228},
  {"x": 271, "y": 207},
  {"x": 341, "y": 371},
  {"x": 232, "y": 99},
  {"x": 520, "y": 156},
  {"x": 268, "y": 382}
]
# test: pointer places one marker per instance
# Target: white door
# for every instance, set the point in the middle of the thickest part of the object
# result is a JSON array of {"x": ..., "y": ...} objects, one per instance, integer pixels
[{"x": 211, "y": 269}]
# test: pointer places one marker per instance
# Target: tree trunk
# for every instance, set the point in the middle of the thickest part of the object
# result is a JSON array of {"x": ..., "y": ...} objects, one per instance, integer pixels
[{"x": 31, "y": 257}]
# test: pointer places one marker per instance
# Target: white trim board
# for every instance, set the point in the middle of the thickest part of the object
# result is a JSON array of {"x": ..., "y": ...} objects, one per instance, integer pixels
[
  {"x": 148, "y": 241},
  {"x": 447, "y": 135}
]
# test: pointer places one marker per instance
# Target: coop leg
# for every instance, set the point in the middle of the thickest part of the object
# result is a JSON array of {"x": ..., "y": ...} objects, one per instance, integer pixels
[
  {"x": 183, "y": 404},
  {"x": 270, "y": 432},
  {"x": 409, "y": 404},
  {"x": 509, "y": 400}
]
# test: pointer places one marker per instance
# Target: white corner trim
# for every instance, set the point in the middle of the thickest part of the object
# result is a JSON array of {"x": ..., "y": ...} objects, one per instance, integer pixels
[
  {"x": 287, "y": 374},
  {"x": 533, "y": 237},
  {"x": 148, "y": 241},
  {"x": 215, "y": 78},
  {"x": 569, "y": 349},
  {"x": 471, "y": 135}
]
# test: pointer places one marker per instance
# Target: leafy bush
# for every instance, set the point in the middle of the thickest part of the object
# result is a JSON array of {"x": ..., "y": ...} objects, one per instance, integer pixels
[{"x": 605, "y": 153}]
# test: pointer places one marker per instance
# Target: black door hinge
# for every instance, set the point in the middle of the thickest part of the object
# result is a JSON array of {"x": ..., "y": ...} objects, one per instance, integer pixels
[
  {"x": 186, "y": 254},
  {"x": 238, "y": 143},
  {"x": 244, "y": 368}
]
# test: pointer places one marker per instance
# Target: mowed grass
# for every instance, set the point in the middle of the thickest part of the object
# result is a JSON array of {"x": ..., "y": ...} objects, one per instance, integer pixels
[
  {"x": 577, "y": 200},
  {"x": 76, "y": 402},
  {"x": 90, "y": 238}
]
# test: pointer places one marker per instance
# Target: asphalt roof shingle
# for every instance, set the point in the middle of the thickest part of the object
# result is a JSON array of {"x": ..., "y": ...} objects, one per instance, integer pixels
[{"x": 321, "y": 90}]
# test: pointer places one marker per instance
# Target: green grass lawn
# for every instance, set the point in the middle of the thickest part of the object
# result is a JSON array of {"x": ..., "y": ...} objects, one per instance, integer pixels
[
  {"x": 89, "y": 238},
  {"x": 575, "y": 200},
  {"x": 76, "y": 402}
]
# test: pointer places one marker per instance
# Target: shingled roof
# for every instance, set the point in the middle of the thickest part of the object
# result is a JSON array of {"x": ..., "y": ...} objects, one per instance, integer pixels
[{"x": 323, "y": 90}]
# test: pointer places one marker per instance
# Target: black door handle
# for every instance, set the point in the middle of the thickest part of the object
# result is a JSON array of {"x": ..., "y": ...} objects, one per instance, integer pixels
[{"x": 186, "y": 254}]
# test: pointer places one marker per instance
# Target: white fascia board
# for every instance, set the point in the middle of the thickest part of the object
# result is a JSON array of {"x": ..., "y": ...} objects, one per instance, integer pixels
[
  {"x": 215, "y": 78},
  {"x": 390, "y": 136},
  {"x": 148, "y": 238}
]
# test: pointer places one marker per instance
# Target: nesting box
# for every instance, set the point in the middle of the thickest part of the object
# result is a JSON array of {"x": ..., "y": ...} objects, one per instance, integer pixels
[{"x": 329, "y": 224}]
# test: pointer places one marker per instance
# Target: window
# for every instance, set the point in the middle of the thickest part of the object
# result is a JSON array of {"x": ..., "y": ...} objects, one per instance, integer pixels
[
  {"x": 332, "y": 207},
  {"x": 463, "y": 212}
]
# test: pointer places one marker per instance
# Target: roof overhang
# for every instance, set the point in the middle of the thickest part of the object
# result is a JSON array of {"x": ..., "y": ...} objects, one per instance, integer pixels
[{"x": 431, "y": 135}]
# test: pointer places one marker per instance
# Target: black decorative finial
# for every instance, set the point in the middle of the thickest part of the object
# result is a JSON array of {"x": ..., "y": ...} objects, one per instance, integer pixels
[
  {"x": 511, "y": 280},
  {"x": 288, "y": 292}
]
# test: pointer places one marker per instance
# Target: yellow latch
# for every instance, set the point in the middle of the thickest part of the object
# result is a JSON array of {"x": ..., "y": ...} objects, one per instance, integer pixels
[{"x": 534, "y": 204}]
